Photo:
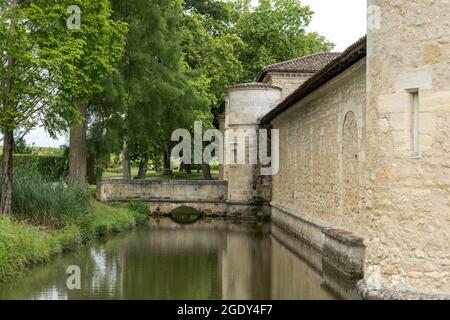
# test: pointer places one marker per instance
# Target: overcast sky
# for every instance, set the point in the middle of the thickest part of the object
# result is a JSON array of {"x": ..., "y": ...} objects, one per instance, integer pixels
[{"x": 341, "y": 21}]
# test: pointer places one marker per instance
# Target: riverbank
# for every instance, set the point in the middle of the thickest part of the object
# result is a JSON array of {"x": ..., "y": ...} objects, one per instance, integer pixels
[{"x": 23, "y": 245}]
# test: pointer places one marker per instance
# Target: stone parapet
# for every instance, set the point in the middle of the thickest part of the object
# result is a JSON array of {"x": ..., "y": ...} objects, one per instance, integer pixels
[{"x": 157, "y": 190}]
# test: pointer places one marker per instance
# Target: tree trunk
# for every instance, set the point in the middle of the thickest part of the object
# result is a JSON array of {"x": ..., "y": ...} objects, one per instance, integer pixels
[
  {"x": 188, "y": 168},
  {"x": 167, "y": 171},
  {"x": 6, "y": 200},
  {"x": 143, "y": 165},
  {"x": 126, "y": 164},
  {"x": 206, "y": 171},
  {"x": 78, "y": 150}
]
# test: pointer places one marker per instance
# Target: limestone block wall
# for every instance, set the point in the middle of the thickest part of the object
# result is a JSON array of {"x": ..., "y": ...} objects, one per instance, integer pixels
[
  {"x": 152, "y": 190},
  {"x": 288, "y": 82},
  {"x": 245, "y": 105},
  {"x": 409, "y": 159},
  {"x": 248, "y": 102},
  {"x": 322, "y": 154}
]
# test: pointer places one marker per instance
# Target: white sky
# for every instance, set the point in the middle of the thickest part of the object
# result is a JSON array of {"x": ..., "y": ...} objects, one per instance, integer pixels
[{"x": 341, "y": 21}]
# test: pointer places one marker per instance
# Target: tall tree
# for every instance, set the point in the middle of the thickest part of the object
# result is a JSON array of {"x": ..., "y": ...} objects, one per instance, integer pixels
[
  {"x": 36, "y": 54},
  {"x": 156, "y": 92},
  {"x": 211, "y": 49},
  {"x": 274, "y": 31},
  {"x": 103, "y": 45}
]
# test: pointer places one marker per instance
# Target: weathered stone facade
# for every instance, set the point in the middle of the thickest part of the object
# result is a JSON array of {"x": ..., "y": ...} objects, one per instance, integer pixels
[
  {"x": 409, "y": 160},
  {"x": 364, "y": 147},
  {"x": 319, "y": 152}
]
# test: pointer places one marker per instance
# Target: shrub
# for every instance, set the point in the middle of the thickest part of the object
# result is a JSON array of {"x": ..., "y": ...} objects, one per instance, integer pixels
[
  {"x": 140, "y": 210},
  {"x": 52, "y": 168},
  {"x": 70, "y": 238}
]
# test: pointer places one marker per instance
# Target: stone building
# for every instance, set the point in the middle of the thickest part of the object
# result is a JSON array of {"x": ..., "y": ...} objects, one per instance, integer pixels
[{"x": 364, "y": 136}]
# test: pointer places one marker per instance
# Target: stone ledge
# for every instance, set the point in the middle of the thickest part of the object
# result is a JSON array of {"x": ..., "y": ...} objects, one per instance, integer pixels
[
  {"x": 300, "y": 216},
  {"x": 340, "y": 248},
  {"x": 344, "y": 236},
  {"x": 345, "y": 251},
  {"x": 387, "y": 294}
]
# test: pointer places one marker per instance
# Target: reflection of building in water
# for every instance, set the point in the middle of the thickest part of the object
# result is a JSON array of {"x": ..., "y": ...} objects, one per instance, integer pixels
[
  {"x": 248, "y": 263},
  {"x": 245, "y": 267},
  {"x": 208, "y": 260}
]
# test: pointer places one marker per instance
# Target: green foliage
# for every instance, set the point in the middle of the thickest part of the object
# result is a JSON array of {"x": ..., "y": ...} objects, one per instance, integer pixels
[
  {"x": 51, "y": 168},
  {"x": 47, "y": 67},
  {"x": 37, "y": 51},
  {"x": 107, "y": 220},
  {"x": 41, "y": 202},
  {"x": 140, "y": 210},
  {"x": 22, "y": 245},
  {"x": 70, "y": 238},
  {"x": 21, "y": 147},
  {"x": 275, "y": 31},
  {"x": 153, "y": 92},
  {"x": 211, "y": 50}
]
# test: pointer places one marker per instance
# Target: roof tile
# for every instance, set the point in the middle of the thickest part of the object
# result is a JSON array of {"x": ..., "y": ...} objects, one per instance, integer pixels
[{"x": 306, "y": 64}]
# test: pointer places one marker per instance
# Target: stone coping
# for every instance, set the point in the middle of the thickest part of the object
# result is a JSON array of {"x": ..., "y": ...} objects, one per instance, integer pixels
[
  {"x": 344, "y": 236},
  {"x": 162, "y": 182},
  {"x": 169, "y": 200},
  {"x": 390, "y": 294},
  {"x": 252, "y": 85},
  {"x": 300, "y": 216}
]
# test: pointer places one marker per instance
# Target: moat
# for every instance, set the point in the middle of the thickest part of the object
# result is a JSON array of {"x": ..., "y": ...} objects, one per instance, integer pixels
[{"x": 210, "y": 259}]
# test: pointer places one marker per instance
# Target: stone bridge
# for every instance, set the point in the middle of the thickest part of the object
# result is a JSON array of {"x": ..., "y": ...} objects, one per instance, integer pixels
[{"x": 208, "y": 197}]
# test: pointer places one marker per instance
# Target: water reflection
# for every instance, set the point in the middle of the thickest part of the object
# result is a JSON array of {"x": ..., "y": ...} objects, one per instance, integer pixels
[{"x": 211, "y": 259}]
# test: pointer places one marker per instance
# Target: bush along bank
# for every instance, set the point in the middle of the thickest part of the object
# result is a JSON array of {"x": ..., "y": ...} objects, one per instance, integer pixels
[{"x": 23, "y": 245}]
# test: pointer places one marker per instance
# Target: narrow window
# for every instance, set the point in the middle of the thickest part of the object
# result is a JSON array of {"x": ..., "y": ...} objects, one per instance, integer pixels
[
  {"x": 235, "y": 152},
  {"x": 414, "y": 122}
]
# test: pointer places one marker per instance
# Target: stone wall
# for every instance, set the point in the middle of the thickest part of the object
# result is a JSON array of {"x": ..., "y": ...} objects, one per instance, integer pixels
[
  {"x": 288, "y": 82},
  {"x": 153, "y": 190},
  {"x": 245, "y": 104},
  {"x": 408, "y": 243},
  {"x": 322, "y": 155},
  {"x": 210, "y": 198}
]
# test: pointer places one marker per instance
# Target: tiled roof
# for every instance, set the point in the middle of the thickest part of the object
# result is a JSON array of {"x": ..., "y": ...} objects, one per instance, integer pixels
[
  {"x": 350, "y": 56},
  {"x": 255, "y": 85},
  {"x": 306, "y": 64}
]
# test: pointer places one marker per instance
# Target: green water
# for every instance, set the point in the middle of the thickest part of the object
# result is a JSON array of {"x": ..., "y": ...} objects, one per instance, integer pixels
[{"x": 210, "y": 259}]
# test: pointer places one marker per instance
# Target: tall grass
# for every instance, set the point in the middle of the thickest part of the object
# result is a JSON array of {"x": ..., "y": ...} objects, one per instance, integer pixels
[
  {"x": 39, "y": 201},
  {"x": 51, "y": 218}
]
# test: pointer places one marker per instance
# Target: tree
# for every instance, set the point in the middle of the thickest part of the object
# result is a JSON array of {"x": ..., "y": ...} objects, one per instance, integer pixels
[
  {"x": 36, "y": 53},
  {"x": 155, "y": 91},
  {"x": 275, "y": 31},
  {"x": 103, "y": 45},
  {"x": 211, "y": 49}
]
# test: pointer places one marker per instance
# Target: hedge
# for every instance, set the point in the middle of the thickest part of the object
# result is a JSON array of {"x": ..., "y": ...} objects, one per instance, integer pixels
[{"x": 52, "y": 167}]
